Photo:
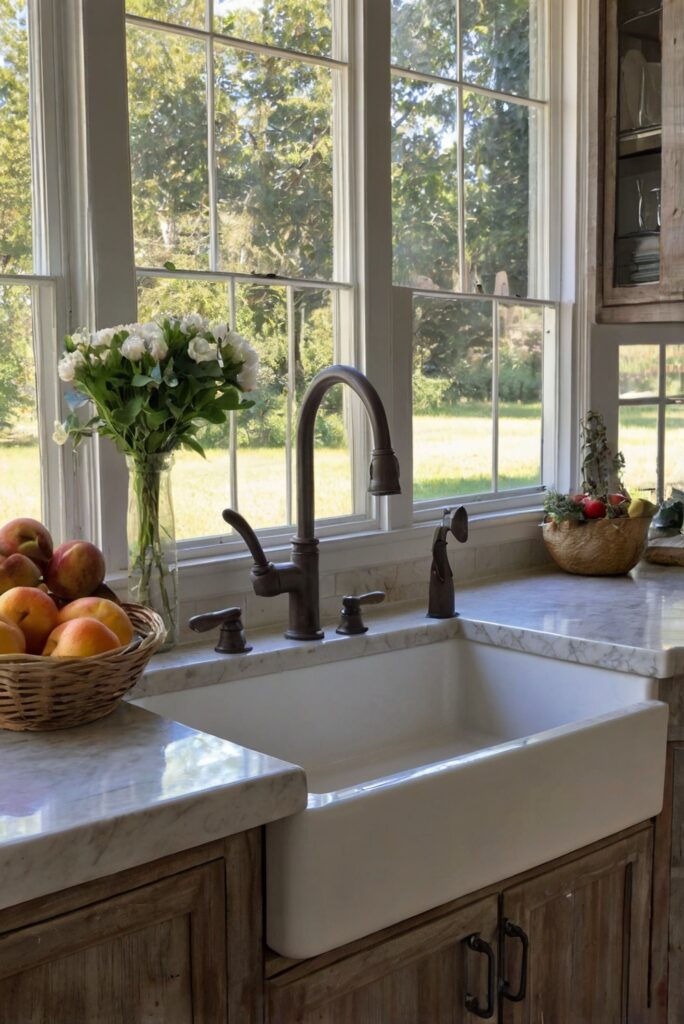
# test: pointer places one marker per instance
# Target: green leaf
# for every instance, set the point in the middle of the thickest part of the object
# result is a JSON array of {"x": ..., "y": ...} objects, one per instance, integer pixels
[
  {"x": 141, "y": 380},
  {"x": 191, "y": 442},
  {"x": 169, "y": 265},
  {"x": 126, "y": 414}
]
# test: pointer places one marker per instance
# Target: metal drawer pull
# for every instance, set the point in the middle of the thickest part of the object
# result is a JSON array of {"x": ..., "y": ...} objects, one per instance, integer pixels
[
  {"x": 514, "y": 931},
  {"x": 472, "y": 1003}
]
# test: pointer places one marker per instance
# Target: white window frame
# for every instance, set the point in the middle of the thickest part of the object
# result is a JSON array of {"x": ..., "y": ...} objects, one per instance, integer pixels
[{"x": 94, "y": 280}]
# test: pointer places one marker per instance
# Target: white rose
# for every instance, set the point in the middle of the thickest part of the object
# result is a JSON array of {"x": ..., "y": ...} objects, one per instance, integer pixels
[
  {"x": 60, "y": 435},
  {"x": 247, "y": 377},
  {"x": 103, "y": 338},
  {"x": 192, "y": 322},
  {"x": 94, "y": 359},
  {"x": 201, "y": 350},
  {"x": 236, "y": 343},
  {"x": 133, "y": 347},
  {"x": 69, "y": 364},
  {"x": 220, "y": 332},
  {"x": 155, "y": 343}
]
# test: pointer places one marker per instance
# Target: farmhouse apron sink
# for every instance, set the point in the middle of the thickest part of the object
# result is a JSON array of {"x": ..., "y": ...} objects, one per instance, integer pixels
[{"x": 432, "y": 772}]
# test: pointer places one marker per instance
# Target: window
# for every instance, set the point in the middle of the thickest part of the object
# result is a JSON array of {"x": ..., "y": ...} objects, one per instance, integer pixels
[
  {"x": 238, "y": 122},
  {"x": 651, "y": 418},
  {"x": 470, "y": 111},
  {"x": 27, "y": 295},
  {"x": 262, "y": 171}
]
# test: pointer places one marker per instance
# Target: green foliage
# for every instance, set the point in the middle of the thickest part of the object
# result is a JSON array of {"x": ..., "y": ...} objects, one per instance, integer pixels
[
  {"x": 601, "y": 470},
  {"x": 561, "y": 508}
]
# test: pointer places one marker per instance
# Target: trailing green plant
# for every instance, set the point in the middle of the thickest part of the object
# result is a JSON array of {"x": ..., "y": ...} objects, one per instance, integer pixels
[{"x": 561, "y": 507}]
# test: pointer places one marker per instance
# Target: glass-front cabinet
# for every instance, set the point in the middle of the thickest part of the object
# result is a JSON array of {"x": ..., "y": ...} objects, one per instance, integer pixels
[{"x": 643, "y": 229}]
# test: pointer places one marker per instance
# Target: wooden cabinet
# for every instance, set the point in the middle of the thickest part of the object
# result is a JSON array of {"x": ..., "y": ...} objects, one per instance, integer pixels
[
  {"x": 583, "y": 923},
  {"x": 424, "y": 975},
  {"x": 588, "y": 924},
  {"x": 641, "y": 154},
  {"x": 175, "y": 942}
]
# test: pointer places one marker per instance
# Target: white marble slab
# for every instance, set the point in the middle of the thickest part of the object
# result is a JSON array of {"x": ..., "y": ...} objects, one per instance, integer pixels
[
  {"x": 631, "y": 623},
  {"x": 87, "y": 802}
]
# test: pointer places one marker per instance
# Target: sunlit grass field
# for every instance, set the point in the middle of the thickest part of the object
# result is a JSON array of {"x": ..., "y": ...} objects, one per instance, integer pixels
[{"x": 452, "y": 455}]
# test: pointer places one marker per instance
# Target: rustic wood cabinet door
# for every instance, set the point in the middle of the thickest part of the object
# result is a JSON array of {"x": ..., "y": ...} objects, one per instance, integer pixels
[
  {"x": 155, "y": 955},
  {"x": 421, "y": 976},
  {"x": 588, "y": 925}
]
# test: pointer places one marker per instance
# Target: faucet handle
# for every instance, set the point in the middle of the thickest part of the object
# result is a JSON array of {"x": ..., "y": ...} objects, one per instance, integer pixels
[
  {"x": 232, "y": 636},
  {"x": 351, "y": 623}
]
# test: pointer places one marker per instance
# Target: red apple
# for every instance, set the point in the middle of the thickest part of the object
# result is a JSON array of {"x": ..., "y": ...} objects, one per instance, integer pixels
[
  {"x": 616, "y": 499},
  {"x": 76, "y": 569},
  {"x": 26, "y": 537},
  {"x": 594, "y": 509}
]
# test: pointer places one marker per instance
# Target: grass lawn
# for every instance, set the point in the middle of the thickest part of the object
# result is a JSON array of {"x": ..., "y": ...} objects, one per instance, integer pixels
[{"x": 452, "y": 456}]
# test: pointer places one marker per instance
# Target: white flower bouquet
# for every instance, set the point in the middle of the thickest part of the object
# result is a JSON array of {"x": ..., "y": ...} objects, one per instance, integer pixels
[{"x": 153, "y": 386}]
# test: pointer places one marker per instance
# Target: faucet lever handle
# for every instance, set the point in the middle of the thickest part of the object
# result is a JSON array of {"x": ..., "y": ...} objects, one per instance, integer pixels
[
  {"x": 232, "y": 636},
  {"x": 351, "y": 623}
]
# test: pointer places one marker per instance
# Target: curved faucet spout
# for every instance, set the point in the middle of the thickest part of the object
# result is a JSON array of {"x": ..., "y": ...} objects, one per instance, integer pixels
[
  {"x": 384, "y": 465},
  {"x": 250, "y": 538}
]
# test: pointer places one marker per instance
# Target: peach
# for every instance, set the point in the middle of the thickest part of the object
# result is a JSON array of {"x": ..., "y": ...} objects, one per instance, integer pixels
[
  {"x": 112, "y": 615},
  {"x": 33, "y": 612},
  {"x": 12, "y": 640},
  {"x": 80, "y": 638},
  {"x": 76, "y": 569},
  {"x": 18, "y": 571},
  {"x": 26, "y": 537}
]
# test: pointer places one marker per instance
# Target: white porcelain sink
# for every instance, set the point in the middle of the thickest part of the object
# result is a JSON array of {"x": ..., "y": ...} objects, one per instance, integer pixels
[{"x": 432, "y": 772}]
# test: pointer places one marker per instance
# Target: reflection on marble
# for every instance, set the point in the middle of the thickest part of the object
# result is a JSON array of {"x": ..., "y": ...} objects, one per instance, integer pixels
[
  {"x": 86, "y": 802},
  {"x": 631, "y": 623}
]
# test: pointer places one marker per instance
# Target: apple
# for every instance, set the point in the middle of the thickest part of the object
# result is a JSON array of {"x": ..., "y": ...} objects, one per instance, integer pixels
[
  {"x": 594, "y": 509},
  {"x": 12, "y": 640},
  {"x": 579, "y": 499},
  {"x": 616, "y": 499},
  {"x": 80, "y": 638},
  {"x": 18, "y": 571},
  {"x": 76, "y": 569},
  {"x": 26, "y": 537},
  {"x": 112, "y": 615},
  {"x": 33, "y": 612}
]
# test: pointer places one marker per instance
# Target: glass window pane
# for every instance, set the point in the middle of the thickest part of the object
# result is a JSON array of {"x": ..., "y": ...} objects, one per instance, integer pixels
[
  {"x": 674, "y": 450},
  {"x": 15, "y": 140},
  {"x": 424, "y": 36},
  {"x": 452, "y": 398},
  {"x": 314, "y": 349},
  {"x": 176, "y": 12},
  {"x": 159, "y": 295},
  {"x": 638, "y": 442},
  {"x": 262, "y": 431},
  {"x": 639, "y": 370},
  {"x": 19, "y": 453},
  {"x": 168, "y": 129},
  {"x": 521, "y": 335},
  {"x": 274, "y": 165},
  {"x": 500, "y": 196},
  {"x": 674, "y": 369},
  {"x": 303, "y": 25},
  {"x": 500, "y": 40},
  {"x": 425, "y": 185}
]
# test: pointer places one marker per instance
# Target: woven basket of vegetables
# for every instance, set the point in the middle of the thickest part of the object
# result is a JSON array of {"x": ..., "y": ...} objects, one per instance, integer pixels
[{"x": 601, "y": 531}]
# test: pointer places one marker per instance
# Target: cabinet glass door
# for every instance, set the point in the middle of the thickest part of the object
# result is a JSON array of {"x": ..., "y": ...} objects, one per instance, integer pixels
[{"x": 639, "y": 143}]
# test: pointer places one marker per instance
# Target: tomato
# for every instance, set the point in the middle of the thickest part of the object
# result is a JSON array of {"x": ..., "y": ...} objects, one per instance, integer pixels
[{"x": 594, "y": 509}]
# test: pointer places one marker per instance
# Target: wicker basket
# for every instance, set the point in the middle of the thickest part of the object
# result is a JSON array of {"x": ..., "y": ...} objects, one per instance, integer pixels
[
  {"x": 41, "y": 694},
  {"x": 599, "y": 547}
]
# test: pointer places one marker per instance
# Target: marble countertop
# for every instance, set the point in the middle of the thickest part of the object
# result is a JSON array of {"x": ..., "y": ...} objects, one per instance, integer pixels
[
  {"x": 631, "y": 623},
  {"x": 86, "y": 802}
]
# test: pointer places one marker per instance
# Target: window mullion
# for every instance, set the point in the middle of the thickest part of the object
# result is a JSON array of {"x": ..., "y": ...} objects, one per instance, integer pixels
[
  {"x": 662, "y": 408},
  {"x": 232, "y": 453},
  {"x": 110, "y": 227},
  {"x": 214, "y": 258},
  {"x": 495, "y": 395},
  {"x": 291, "y": 384}
]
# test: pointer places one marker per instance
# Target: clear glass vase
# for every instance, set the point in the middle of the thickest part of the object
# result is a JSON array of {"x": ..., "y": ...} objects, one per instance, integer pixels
[{"x": 152, "y": 554}]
